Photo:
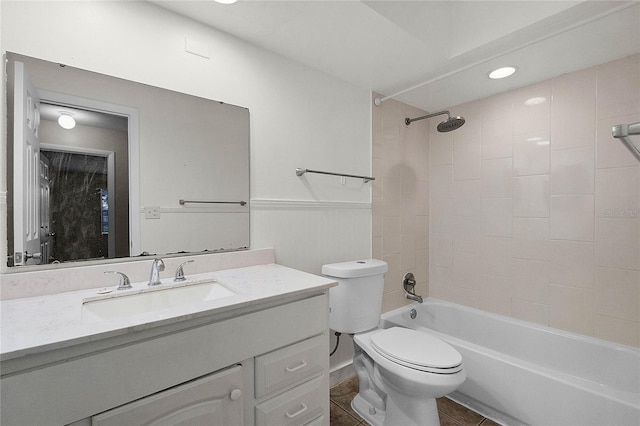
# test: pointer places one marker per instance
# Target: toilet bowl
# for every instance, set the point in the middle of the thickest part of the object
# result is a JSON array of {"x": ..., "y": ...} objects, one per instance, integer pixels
[
  {"x": 411, "y": 370},
  {"x": 400, "y": 371}
]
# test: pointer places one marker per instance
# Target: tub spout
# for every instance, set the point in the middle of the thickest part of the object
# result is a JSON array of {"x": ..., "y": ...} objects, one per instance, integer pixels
[{"x": 414, "y": 297}]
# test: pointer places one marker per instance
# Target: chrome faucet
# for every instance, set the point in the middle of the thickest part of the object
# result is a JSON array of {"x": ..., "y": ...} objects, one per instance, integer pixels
[
  {"x": 409, "y": 284},
  {"x": 180, "y": 272},
  {"x": 156, "y": 267},
  {"x": 124, "y": 284}
]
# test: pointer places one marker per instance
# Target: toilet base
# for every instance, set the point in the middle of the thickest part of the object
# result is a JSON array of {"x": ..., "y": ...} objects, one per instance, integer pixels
[
  {"x": 399, "y": 416},
  {"x": 372, "y": 415}
]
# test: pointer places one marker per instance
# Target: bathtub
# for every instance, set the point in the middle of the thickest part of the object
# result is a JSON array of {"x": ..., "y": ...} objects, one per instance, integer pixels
[{"x": 523, "y": 373}]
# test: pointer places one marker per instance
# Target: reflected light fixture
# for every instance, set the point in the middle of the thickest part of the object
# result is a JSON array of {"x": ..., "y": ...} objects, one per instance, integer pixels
[
  {"x": 66, "y": 121},
  {"x": 502, "y": 72},
  {"x": 535, "y": 101},
  {"x": 225, "y": 1}
]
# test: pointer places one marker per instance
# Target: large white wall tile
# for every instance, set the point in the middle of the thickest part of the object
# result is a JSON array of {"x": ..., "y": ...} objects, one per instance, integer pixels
[
  {"x": 497, "y": 177},
  {"x": 466, "y": 198},
  {"x": 572, "y": 171},
  {"x": 531, "y": 154},
  {"x": 496, "y": 217},
  {"x": 531, "y": 196},
  {"x": 618, "y": 192},
  {"x": 572, "y": 309},
  {"x": 617, "y": 293},
  {"x": 617, "y": 244},
  {"x": 531, "y": 108},
  {"x": 497, "y": 138},
  {"x": 496, "y": 256},
  {"x": 572, "y": 217},
  {"x": 531, "y": 238},
  {"x": 572, "y": 263},
  {"x": 619, "y": 87},
  {"x": 530, "y": 311},
  {"x": 574, "y": 101}
]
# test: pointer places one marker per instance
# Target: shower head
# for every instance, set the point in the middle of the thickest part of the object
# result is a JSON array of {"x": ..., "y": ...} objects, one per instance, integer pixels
[{"x": 451, "y": 123}]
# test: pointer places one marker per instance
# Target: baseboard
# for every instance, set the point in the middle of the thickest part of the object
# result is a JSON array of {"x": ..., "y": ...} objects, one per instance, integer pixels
[{"x": 341, "y": 373}]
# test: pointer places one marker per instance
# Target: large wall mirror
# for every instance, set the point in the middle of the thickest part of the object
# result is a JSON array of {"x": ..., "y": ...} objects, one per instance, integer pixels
[{"x": 104, "y": 168}]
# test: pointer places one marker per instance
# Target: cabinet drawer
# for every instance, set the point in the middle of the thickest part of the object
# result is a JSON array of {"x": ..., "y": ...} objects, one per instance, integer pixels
[
  {"x": 290, "y": 365},
  {"x": 297, "y": 406}
]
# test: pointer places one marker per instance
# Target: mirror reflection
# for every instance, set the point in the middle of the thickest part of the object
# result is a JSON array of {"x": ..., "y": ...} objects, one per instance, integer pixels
[{"x": 98, "y": 167}]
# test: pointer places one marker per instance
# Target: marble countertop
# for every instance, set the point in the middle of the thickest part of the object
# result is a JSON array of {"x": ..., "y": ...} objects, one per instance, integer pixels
[{"x": 36, "y": 325}]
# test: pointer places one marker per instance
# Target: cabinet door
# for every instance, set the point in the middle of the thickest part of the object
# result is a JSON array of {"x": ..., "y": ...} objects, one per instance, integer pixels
[{"x": 215, "y": 399}]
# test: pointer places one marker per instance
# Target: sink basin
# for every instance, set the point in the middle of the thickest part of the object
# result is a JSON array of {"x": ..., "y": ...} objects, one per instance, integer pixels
[{"x": 151, "y": 299}]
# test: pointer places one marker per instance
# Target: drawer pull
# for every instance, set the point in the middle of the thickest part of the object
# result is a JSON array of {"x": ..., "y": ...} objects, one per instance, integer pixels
[
  {"x": 297, "y": 413},
  {"x": 303, "y": 364}
]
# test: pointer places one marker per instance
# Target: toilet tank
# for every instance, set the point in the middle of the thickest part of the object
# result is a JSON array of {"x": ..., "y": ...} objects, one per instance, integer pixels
[{"x": 355, "y": 304}]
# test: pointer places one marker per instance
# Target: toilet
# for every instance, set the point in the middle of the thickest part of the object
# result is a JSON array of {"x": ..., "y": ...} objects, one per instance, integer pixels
[{"x": 400, "y": 371}]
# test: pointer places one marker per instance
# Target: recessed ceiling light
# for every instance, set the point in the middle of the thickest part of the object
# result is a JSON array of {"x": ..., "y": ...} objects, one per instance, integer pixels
[
  {"x": 226, "y": 1},
  {"x": 502, "y": 72},
  {"x": 66, "y": 121}
]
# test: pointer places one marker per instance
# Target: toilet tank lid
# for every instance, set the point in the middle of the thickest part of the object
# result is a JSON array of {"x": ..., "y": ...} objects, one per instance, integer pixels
[{"x": 355, "y": 268}]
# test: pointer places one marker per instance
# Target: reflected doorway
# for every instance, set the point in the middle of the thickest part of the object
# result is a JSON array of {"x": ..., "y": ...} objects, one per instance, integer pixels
[
  {"x": 78, "y": 207},
  {"x": 88, "y": 183}
]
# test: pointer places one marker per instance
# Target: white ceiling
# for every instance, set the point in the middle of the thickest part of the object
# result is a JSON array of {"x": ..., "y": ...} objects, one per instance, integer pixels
[
  {"x": 83, "y": 117},
  {"x": 440, "y": 50}
]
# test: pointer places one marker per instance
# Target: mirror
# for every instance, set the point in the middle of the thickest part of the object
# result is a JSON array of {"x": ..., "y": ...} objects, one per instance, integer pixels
[{"x": 144, "y": 170}]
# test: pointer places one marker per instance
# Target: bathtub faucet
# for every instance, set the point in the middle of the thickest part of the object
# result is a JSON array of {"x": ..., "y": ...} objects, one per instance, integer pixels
[{"x": 409, "y": 284}]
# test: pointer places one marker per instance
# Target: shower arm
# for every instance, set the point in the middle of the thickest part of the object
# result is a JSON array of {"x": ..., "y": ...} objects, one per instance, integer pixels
[
  {"x": 623, "y": 131},
  {"x": 408, "y": 121}
]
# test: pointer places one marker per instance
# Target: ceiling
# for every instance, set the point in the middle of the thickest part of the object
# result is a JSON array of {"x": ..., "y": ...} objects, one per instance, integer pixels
[
  {"x": 84, "y": 117},
  {"x": 430, "y": 54}
]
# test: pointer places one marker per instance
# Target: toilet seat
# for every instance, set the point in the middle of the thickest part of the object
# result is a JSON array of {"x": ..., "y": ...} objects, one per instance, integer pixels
[{"x": 416, "y": 350}]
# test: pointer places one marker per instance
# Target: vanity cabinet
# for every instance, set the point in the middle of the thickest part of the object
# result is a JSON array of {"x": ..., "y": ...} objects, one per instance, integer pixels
[
  {"x": 215, "y": 399},
  {"x": 263, "y": 365}
]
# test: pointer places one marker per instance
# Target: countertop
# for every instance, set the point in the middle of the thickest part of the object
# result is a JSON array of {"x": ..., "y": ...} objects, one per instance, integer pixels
[{"x": 37, "y": 325}]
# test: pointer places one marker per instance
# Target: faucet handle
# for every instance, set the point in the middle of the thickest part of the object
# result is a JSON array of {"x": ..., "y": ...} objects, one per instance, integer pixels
[
  {"x": 159, "y": 264},
  {"x": 180, "y": 271},
  {"x": 124, "y": 284},
  {"x": 409, "y": 283}
]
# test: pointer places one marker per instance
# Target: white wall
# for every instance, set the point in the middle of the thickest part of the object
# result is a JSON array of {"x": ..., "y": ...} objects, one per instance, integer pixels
[{"x": 299, "y": 117}]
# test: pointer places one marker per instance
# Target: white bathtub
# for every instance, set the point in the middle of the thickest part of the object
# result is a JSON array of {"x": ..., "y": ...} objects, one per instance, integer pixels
[{"x": 524, "y": 373}]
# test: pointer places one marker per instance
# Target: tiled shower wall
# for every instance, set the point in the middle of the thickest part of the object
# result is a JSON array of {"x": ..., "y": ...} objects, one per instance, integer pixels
[
  {"x": 534, "y": 207},
  {"x": 400, "y": 200}
]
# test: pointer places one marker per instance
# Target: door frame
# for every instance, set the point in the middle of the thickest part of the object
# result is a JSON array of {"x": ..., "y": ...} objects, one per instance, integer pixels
[{"x": 133, "y": 147}]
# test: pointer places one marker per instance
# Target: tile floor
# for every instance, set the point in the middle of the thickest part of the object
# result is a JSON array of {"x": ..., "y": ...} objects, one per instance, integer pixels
[{"x": 451, "y": 413}]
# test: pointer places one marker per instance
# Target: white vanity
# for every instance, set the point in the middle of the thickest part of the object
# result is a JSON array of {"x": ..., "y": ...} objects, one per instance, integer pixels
[{"x": 255, "y": 356}]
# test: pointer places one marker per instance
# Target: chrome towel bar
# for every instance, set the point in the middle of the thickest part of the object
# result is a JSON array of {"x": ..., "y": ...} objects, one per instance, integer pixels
[
  {"x": 300, "y": 172},
  {"x": 183, "y": 202}
]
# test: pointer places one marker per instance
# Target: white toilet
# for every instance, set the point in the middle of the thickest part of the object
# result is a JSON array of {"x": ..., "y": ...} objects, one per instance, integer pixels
[{"x": 401, "y": 371}]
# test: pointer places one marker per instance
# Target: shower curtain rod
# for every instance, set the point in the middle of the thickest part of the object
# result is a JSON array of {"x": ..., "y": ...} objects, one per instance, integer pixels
[{"x": 623, "y": 131}]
